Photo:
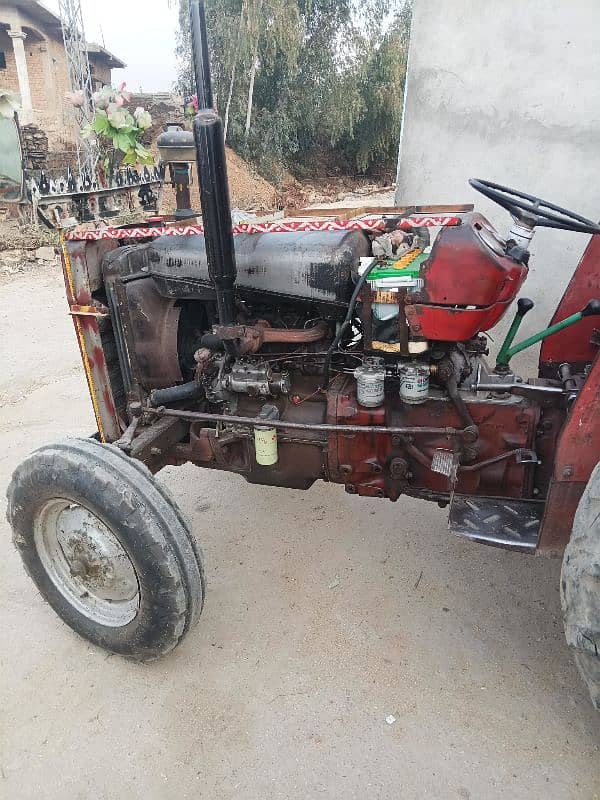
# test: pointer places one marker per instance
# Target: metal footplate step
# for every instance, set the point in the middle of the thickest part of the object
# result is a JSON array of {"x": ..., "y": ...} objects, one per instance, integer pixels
[{"x": 513, "y": 524}]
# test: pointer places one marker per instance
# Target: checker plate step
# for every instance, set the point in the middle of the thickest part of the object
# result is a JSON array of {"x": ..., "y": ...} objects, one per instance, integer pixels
[{"x": 514, "y": 524}]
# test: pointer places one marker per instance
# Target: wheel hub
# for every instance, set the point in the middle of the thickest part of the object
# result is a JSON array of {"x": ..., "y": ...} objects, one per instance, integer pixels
[
  {"x": 87, "y": 563},
  {"x": 96, "y": 559}
]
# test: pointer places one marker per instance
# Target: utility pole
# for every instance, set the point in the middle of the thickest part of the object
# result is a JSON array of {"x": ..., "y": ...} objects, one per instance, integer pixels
[{"x": 80, "y": 79}]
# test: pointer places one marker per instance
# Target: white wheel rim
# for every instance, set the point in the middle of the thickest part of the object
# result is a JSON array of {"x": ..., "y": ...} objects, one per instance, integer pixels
[{"x": 86, "y": 563}]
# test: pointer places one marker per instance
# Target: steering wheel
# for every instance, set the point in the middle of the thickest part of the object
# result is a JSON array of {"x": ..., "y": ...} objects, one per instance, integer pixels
[{"x": 532, "y": 211}]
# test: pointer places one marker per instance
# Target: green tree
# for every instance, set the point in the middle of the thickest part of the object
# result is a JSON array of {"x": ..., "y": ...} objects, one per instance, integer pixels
[
  {"x": 308, "y": 85},
  {"x": 369, "y": 123}
]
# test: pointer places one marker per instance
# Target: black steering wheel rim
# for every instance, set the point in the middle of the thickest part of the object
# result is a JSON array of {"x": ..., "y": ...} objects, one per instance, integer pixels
[{"x": 533, "y": 211}]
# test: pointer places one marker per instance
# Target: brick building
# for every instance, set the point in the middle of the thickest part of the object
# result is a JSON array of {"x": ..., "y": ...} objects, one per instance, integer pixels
[{"x": 33, "y": 64}]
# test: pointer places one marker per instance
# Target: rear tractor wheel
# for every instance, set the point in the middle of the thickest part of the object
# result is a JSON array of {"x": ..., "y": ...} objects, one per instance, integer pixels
[
  {"x": 107, "y": 547},
  {"x": 580, "y": 587}
]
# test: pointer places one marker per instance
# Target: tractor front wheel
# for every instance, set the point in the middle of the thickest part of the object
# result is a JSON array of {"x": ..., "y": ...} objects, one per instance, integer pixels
[
  {"x": 107, "y": 547},
  {"x": 580, "y": 587}
]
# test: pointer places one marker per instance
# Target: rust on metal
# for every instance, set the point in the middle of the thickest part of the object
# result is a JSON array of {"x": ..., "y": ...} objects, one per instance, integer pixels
[
  {"x": 250, "y": 338},
  {"x": 88, "y": 311},
  {"x": 81, "y": 272},
  {"x": 151, "y": 333},
  {"x": 350, "y": 212},
  {"x": 577, "y": 454},
  {"x": 202, "y": 416}
]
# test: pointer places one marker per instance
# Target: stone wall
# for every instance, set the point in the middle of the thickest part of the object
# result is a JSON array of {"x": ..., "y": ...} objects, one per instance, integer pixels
[
  {"x": 37, "y": 154},
  {"x": 163, "y": 107},
  {"x": 35, "y": 147}
]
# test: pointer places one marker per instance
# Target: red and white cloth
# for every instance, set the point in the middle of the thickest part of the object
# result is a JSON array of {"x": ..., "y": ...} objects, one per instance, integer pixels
[{"x": 280, "y": 226}]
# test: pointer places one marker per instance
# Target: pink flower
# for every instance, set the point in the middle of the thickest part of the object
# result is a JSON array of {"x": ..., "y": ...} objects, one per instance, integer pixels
[{"x": 125, "y": 94}]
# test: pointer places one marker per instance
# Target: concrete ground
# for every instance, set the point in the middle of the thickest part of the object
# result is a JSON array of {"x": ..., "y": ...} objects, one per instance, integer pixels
[{"x": 325, "y": 614}]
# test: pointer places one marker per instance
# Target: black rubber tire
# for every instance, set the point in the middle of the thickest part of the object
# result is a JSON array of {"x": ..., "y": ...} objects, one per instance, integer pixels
[
  {"x": 141, "y": 514},
  {"x": 580, "y": 587}
]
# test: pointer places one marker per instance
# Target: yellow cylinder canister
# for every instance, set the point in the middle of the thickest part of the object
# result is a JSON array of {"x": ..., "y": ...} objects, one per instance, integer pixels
[{"x": 265, "y": 437}]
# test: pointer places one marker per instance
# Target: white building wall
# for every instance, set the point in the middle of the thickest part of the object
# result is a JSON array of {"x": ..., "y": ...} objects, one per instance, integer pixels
[{"x": 508, "y": 91}]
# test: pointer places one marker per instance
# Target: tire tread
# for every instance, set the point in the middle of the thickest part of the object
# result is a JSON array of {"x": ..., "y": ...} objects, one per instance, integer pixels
[
  {"x": 143, "y": 507},
  {"x": 580, "y": 587}
]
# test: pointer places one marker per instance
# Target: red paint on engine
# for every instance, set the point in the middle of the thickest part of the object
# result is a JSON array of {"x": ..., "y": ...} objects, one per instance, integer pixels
[{"x": 367, "y": 463}]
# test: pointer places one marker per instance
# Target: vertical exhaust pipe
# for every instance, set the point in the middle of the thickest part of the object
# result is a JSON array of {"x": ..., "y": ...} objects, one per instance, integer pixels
[{"x": 212, "y": 174}]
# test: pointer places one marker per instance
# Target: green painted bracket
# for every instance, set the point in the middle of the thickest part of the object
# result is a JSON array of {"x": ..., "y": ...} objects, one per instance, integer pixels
[{"x": 524, "y": 305}]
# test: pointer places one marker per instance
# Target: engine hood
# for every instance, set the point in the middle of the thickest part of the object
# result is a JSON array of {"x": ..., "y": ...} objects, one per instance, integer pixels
[{"x": 314, "y": 266}]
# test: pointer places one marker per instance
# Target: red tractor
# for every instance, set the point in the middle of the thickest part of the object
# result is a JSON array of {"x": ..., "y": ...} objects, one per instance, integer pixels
[{"x": 349, "y": 350}]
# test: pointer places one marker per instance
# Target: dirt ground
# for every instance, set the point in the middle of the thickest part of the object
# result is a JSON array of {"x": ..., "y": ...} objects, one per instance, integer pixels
[
  {"x": 325, "y": 614},
  {"x": 248, "y": 190}
]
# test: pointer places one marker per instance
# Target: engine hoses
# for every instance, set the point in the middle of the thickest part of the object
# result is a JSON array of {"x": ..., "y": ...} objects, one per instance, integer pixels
[{"x": 345, "y": 324}]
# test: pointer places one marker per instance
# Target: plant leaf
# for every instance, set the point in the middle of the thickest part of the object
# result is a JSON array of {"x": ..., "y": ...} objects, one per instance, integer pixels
[{"x": 100, "y": 123}]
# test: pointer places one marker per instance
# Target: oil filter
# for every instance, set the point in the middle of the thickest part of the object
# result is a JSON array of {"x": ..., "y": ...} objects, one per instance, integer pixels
[
  {"x": 370, "y": 383},
  {"x": 414, "y": 383},
  {"x": 265, "y": 437}
]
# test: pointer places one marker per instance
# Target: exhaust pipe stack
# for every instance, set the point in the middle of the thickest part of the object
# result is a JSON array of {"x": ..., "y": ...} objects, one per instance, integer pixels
[{"x": 212, "y": 174}]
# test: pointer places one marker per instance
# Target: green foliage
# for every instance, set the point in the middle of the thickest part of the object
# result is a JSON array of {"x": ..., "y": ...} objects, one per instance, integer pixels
[
  {"x": 116, "y": 128},
  {"x": 369, "y": 126},
  {"x": 328, "y": 80}
]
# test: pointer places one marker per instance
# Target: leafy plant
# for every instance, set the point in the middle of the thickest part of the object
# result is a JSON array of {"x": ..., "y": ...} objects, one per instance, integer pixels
[{"x": 117, "y": 128}]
